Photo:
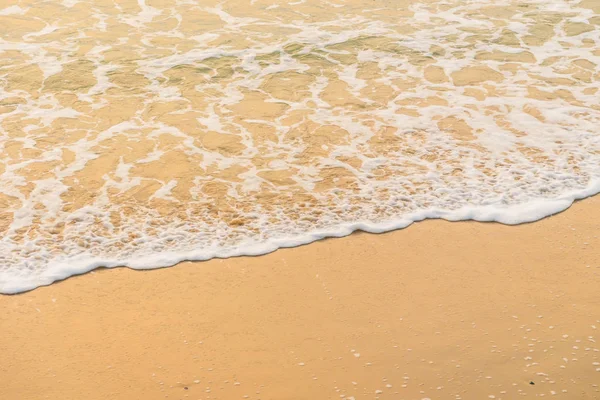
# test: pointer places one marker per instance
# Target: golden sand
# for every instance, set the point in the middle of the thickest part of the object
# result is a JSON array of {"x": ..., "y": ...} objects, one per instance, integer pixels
[
  {"x": 170, "y": 121},
  {"x": 439, "y": 310}
]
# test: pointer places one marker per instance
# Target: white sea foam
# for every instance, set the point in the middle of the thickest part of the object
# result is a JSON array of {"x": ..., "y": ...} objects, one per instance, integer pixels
[
  {"x": 12, "y": 10},
  {"x": 280, "y": 125}
]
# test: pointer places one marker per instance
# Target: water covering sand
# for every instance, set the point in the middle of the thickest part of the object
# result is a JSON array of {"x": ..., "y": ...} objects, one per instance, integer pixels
[{"x": 143, "y": 133}]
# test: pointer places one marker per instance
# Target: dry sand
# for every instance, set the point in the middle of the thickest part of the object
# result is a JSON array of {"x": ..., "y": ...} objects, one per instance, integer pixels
[{"x": 439, "y": 310}]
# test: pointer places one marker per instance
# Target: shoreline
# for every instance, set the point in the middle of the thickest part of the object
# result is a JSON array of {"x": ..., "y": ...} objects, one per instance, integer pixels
[
  {"x": 519, "y": 214},
  {"x": 482, "y": 314}
]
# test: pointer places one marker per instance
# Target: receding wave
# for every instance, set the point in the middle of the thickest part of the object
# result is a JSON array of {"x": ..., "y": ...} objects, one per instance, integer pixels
[{"x": 144, "y": 133}]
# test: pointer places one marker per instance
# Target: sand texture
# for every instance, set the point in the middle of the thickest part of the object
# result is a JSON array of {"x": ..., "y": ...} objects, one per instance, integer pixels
[{"x": 439, "y": 310}]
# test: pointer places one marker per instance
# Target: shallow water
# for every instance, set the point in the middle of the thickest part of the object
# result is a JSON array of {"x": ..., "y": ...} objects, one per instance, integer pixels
[{"x": 143, "y": 133}]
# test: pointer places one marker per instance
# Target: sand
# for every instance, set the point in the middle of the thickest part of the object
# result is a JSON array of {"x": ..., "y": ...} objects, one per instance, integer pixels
[
  {"x": 440, "y": 310},
  {"x": 159, "y": 126}
]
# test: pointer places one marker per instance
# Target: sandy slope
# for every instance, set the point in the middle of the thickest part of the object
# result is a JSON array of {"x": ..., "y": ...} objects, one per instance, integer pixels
[{"x": 439, "y": 310}]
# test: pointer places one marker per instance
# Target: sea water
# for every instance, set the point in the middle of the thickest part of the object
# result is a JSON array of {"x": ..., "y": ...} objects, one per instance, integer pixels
[{"x": 142, "y": 133}]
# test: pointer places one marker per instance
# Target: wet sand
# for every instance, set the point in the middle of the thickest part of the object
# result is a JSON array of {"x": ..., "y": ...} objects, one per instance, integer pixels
[{"x": 440, "y": 310}]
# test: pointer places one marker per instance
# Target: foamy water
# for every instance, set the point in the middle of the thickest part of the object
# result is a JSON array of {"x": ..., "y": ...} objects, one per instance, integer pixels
[{"x": 143, "y": 133}]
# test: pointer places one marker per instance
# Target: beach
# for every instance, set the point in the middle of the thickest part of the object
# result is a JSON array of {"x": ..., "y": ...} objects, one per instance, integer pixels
[
  {"x": 266, "y": 199},
  {"x": 439, "y": 310}
]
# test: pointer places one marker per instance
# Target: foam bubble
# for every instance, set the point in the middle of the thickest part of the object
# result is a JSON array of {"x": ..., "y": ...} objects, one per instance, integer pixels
[{"x": 189, "y": 132}]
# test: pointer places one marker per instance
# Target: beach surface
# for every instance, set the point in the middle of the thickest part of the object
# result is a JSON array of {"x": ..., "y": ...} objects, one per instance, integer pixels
[
  {"x": 440, "y": 310},
  {"x": 144, "y": 133}
]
